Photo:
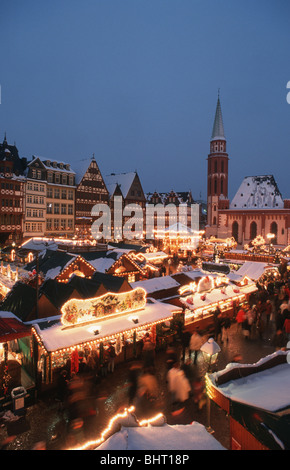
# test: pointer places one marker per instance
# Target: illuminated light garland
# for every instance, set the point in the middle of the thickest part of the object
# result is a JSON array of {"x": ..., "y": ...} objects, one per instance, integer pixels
[
  {"x": 105, "y": 433},
  {"x": 96, "y": 342}
]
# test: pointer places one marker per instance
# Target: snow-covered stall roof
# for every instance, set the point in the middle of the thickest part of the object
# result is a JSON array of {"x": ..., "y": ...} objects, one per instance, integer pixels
[
  {"x": 178, "y": 437},
  {"x": 57, "y": 337},
  {"x": 254, "y": 269},
  {"x": 156, "y": 284},
  {"x": 267, "y": 389},
  {"x": 258, "y": 192}
]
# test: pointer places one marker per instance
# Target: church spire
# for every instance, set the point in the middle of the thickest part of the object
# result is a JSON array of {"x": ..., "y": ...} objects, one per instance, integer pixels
[{"x": 218, "y": 126}]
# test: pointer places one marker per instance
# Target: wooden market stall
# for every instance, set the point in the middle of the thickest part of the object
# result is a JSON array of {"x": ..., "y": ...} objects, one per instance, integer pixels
[
  {"x": 256, "y": 398},
  {"x": 16, "y": 358},
  {"x": 199, "y": 293},
  {"x": 87, "y": 327}
]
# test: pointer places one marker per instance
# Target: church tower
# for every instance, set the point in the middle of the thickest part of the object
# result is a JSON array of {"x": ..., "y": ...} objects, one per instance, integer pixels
[{"x": 217, "y": 172}]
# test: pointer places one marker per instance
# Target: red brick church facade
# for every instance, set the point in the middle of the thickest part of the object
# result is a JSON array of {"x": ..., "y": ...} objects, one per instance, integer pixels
[{"x": 256, "y": 209}]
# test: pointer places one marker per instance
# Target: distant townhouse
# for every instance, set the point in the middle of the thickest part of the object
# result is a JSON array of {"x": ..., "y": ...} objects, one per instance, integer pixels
[
  {"x": 49, "y": 199},
  {"x": 128, "y": 187},
  {"x": 90, "y": 190},
  {"x": 12, "y": 182}
]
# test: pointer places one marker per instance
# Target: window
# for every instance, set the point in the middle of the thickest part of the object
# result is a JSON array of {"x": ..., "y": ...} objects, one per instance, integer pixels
[
  {"x": 70, "y": 209},
  {"x": 35, "y": 187},
  {"x": 49, "y": 208},
  {"x": 70, "y": 224},
  {"x": 57, "y": 193},
  {"x": 57, "y": 178},
  {"x": 63, "y": 208},
  {"x": 71, "y": 180},
  {"x": 63, "y": 193},
  {"x": 70, "y": 195},
  {"x": 49, "y": 192},
  {"x": 63, "y": 224},
  {"x": 56, "y": 208},
  {"x": 253, "y": 230},
  {"x": 56, "y": 224},
  {"x": 64, "y": 179},
  {"x": 49, "y": 177},
  {"x": 27, "y": 227},
  {"x": 39, "y": 227},
  {"x": 48, "y": 224}
]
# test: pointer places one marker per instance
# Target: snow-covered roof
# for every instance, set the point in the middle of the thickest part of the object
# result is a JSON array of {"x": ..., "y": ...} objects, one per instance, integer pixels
[
  {"x": 258, "y": 192},
  {"x": 40, "y": 244},
  {"x": 124, "y": 180},
  {"x": 267, "y": 389},
  {"x": 178, "y": 437},
  {"x": 253, "y": 269},
  {"x": 156, "y": 284},
  {"x": 56, "y": 337}
]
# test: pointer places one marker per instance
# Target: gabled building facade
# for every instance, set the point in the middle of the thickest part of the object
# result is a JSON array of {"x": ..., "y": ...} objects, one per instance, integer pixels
[
  {"x": 12, "y": 183},
  {"x": 90, "y": 190},
  {"x": 49, "y": 199}
]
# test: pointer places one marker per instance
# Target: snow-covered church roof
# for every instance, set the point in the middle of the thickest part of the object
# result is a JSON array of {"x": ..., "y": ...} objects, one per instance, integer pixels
[{"x": 258, "y": 192}]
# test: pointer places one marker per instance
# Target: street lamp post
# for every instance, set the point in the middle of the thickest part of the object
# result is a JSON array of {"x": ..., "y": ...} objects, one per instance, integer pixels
[{"x": 210, "y": 351}]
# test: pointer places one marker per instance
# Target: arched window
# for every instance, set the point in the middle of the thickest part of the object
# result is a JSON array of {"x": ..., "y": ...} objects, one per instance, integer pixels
[
  {"x": 214, "y": 221},
  {"x": 274, "y": 230},
  {"x": 235, "y": 231},
  {"x": 215, "y": 166},
  {"x": 222, "y": 186},
  {"x": 253, "y": 230}
]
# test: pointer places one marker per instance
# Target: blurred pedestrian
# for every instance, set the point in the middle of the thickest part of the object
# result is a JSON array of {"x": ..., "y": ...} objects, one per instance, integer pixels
[
  {"x": 148, "y": 351},
  {"x": 170, "y": 379},
  {"x": 111, "y": 357},
  {"x": 240, "y": 318},
  {"x": 134, "y": 372},
  {"x": 195, "y": 345},
  {"x": 279, "y": 340},
  {"x": 62, "y": 388},
  {"x": 226, "y": 327},
  {"x": 185, "y": 339},
  {"x": 268, "y": 311}
]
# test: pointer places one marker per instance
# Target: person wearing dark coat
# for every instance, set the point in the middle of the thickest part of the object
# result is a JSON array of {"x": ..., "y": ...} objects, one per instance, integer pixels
[{"x": 185, "y": 339}]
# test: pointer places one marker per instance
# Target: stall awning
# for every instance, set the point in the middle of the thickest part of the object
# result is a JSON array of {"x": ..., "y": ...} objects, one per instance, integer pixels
[{"x": 11, "y": 328}]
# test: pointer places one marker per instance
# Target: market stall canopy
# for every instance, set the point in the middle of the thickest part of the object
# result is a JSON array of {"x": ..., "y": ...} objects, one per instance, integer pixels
[
  {"x": 257, "y": 396},
  {"x": 11, "y": 328},
  {"x": 56, "y": 337},
  {"x": 254, "y": 270},
  {"x": 178, "y": 437}
]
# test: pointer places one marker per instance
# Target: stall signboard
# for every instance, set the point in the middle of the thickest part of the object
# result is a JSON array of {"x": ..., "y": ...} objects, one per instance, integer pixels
[
  {"x": 205, "y": 284},
  {"x": 76, "y": 312}
]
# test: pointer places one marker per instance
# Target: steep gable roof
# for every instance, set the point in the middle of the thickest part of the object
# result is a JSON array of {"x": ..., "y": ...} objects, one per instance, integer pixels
[
  {"x": 123, "y": 180},
  {"x": 258, "y": 192}
]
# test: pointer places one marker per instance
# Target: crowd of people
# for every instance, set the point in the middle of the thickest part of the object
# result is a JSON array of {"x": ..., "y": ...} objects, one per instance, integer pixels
[{"x": 265, "y": 317}]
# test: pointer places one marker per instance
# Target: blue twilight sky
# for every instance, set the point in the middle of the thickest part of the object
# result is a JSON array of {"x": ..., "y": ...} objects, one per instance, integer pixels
[{"x": 135, "y": 82}]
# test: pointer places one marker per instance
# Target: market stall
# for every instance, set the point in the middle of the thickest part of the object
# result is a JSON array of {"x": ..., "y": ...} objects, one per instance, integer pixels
[
  {"x": 256, "y": 397},
  {"x": 16, "y": 358},
  {"x": 87, "y": 327},
  {"x": 205, "y": 294}
]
